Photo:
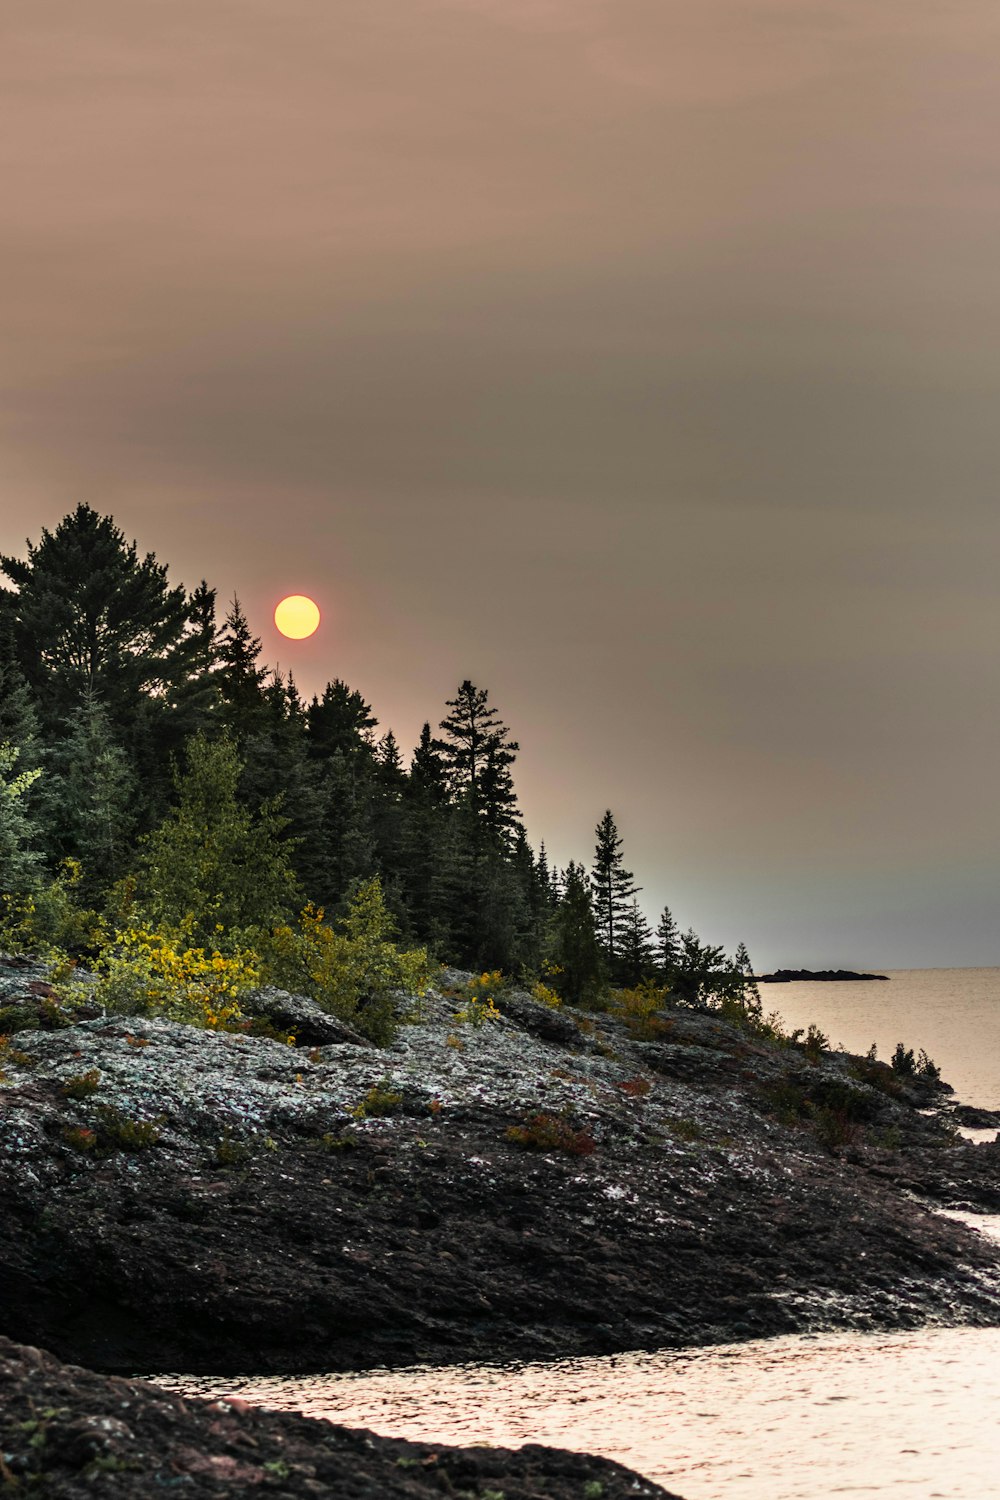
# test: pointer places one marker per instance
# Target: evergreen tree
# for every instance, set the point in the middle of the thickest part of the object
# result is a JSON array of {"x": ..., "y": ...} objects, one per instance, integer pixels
[
  {"x": 346, "y": 833},
  {"x": 478, "y": 754},
  {"x": 340, "y": 721},
  {"x": 90, "y": 616},
  {"x": 278, "y": 773},
  {"x": 636, "y": 956},
  {"x": 612, "y": 885},
  {"x": 89, "y": 800},
  {"x": 576, "y": 952},
  {"x": 388, "y": 785},
  {"x": 699, "y": 970},
  {"x": 425, "y": 842},
  {"x": 241, "y": 678},
  {"x": 20, "y": 862},
  {"x": 749, "y": 993},
  {"x": 668, "y": 945},
  {"x": 428, "y": 780},
  {"x": 212, "y": 863}
]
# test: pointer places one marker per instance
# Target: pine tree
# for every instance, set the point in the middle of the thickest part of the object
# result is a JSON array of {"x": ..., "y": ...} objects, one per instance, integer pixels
[
  {"x": 346, "y": 833},
  {"x": 90, "y": 616},
  {"x": 89, "y": 800},
  {"x": 636, "y": 956},
  {"x": 340, "y": 721},
  {"x": 612, "y": 885},
  {"x": 426, "y": 839},
  {"x": 478, "y": 754},
  {"x": 387, "y": 787},
  {"x": 576, "y": 953},
  {"x": 212, "y": 863},
  {"x": 698, "y": 970},
  {"x": 241, "y": 679},
  {"x": 668, "y": 945},
  {"x": 749, "y": 991},
  {"x": 428, "y": 780}
]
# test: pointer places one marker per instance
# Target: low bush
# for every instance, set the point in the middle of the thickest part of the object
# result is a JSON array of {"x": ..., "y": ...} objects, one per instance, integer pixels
[
  {"x": 352, "y": 973},
  {"x": 545, "y": 1132},
  {"x": 379, "y": 1101},
  {"x": 82, "y": 1085},
  {"x": 146, "y": 972},
  {"x": 638, "y": 1008}
]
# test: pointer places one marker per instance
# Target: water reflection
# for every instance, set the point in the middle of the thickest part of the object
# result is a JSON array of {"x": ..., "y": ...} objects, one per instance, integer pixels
[{"x": 910, "y": 1414}]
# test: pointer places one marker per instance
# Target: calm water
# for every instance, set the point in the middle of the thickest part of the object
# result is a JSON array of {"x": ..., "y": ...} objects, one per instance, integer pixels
[
  {"x": 910, "y": 1414},
  {"x": 954, "y": 1014},
  {"x": 784, "y": 1419}
]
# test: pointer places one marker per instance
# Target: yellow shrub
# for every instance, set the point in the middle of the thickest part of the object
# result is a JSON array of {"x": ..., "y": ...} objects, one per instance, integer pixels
[
  {"x": 545, "y": 996},
  {"x": 637, "y": 1007},
  {"x": 145, "y": 972}
]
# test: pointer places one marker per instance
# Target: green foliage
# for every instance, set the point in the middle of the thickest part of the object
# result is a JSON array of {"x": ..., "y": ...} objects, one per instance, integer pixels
[
  {"x": 578, "y": 968},
  {"x": 88, "y": 801},
  {"x": 478, "y": 752},
  {"x": 91, "y": 616},
  {"x": 813, "y": 1042},
  {"x": 113, "y": 1131},
  {"x": 81, "y": 1085},
  {"x": 353, "y": 972},
  {"x": 116, "y": 1131},
  {"x": 212, "y": 865},
  {"x": 20, "y": 863},
  {"x": 612, "y": 886},
  {"x": 51, "y": 920},
  {"x": 107, "y": 672},
  {"x": 480, "y": 995},
  {"x": 379, "y": 1101}
]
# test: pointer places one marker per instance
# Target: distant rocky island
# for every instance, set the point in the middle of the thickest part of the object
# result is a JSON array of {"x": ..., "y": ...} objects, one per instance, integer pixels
[{"x": 785, "y": 976}]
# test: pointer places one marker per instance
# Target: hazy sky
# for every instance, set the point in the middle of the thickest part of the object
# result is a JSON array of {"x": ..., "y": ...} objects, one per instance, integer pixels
[{"x": 638, "y": 359}]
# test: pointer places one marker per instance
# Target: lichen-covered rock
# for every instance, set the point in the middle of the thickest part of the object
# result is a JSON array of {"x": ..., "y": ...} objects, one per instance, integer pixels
[
  {"x": 172, "y": 1198},
  {"x": 308, "y": 1023}
]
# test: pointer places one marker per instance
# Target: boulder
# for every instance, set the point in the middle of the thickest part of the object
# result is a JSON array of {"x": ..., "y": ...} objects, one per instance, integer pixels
[{"x": 309, "y": 1023}]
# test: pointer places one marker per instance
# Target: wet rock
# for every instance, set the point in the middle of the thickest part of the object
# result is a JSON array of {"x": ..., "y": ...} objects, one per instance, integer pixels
[{"x": 976, "y": 1119}]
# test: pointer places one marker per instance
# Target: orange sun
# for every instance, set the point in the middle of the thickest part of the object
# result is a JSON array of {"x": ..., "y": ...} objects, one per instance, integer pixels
[{"x": 296, "y": 617}]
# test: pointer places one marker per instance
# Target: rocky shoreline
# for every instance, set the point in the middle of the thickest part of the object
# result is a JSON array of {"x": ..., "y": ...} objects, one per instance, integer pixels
[
  {"x": 543, "y": 1185},
  {"x": 546, "y": 1184}
]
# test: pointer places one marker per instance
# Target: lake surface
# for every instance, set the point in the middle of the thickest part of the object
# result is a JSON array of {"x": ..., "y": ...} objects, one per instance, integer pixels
[
  {"x": 909, "y": 1414},
  {"x": 913, "y": 1414},
  {"x": 954, "y": 1014}
]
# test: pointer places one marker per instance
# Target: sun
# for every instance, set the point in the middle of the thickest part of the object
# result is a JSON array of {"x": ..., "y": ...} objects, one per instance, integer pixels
[{"x": 297, "y": 616}]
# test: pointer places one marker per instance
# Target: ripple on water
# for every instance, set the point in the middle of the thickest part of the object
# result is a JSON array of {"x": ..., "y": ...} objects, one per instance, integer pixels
[{"x": 908, "y": 1414}]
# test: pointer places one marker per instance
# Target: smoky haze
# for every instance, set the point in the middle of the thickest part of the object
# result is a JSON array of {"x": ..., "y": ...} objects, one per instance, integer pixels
[{"x": 635, "y": 359}]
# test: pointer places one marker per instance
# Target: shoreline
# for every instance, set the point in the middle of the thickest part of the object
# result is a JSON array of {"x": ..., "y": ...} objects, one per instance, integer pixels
[{"x": 553, "y": 1185}]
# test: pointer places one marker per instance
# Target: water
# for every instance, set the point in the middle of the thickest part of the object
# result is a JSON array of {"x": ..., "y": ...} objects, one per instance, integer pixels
[
  {"x": 954, "y": 1014},
  {"x": 909, "y": 1414},
  {"x": 913, "y": 1414}
]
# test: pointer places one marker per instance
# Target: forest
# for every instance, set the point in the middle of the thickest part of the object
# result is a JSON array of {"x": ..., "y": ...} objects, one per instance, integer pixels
[{"x": 176, "y": 815}]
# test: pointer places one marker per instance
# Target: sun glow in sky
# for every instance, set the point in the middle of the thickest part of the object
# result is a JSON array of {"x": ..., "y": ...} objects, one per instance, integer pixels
[{"x": 297, "y": 617}]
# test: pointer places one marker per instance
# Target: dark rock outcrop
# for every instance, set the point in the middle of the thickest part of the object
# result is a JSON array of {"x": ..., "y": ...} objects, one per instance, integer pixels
[
  {"x": 181, "y": 1199},
  {"x": 298, "y": 1016},
  {"x": 66, "y": 1433},
  {"x": 786, "y": 976}
]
